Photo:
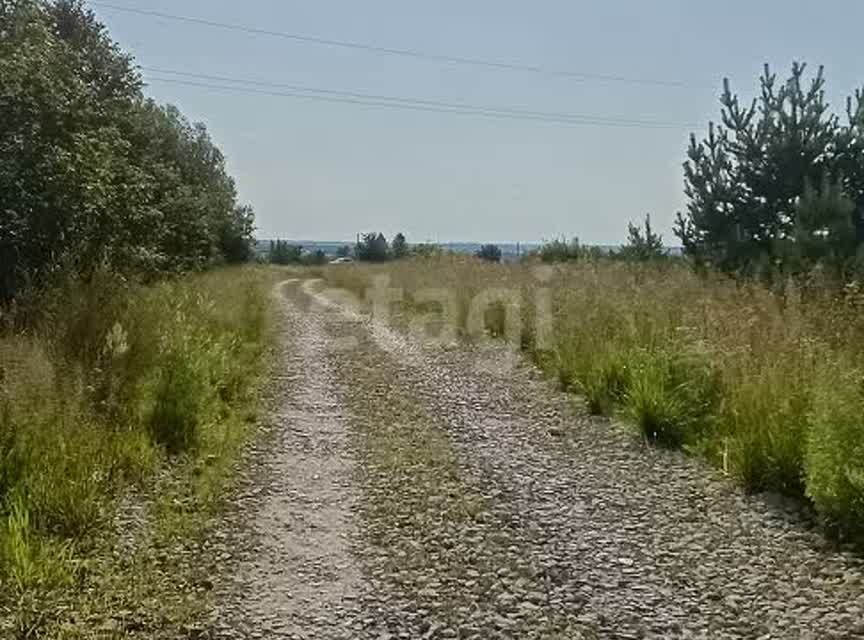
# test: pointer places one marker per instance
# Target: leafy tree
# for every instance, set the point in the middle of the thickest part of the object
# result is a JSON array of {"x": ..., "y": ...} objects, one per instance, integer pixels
[
  {"x": 91, "y": 172},
  {"x": 399, "y": 247},
  {"x": 237, "y": 235},
  {"x": 373, "y": 247},
  {"x": 745, "y": 181},
  {"x": 643, "y": 243},
  {"x": 343, "y": 251},
  {"x": 490, "y": 253}
]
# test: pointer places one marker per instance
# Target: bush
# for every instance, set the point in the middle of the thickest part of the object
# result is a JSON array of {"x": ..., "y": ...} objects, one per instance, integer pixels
[{"x": 559, "y": 250}]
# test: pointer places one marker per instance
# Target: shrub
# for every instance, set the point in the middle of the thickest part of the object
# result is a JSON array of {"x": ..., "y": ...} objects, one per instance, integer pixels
[{"x": 559, "y": 250}]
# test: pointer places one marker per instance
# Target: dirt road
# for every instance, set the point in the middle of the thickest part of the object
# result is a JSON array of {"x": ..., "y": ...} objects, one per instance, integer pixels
[{"x": 418, "y": 491}]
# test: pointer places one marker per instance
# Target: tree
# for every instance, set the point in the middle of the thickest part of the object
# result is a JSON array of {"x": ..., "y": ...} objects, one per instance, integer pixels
[
  {"x": 824, "y": 231},
  {"x": 399, "y": 247},
  {"x": 236, "y": 235},
  {"x": 373, "y": 247},
  {"x": 489, "y": 253},
  {"x": 92, "y": 174},
  {"x": 642, "y": 243},
  {"x": 744, "y": 182},
  {"x": 343, "y": 251},
  {"x": 281, "y": 252}
]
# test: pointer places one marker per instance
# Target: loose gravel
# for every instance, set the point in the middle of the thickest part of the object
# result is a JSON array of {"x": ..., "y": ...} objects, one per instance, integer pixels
[
  {"x": 295, "y": 575},
  {"x": 451, "y": 492}
]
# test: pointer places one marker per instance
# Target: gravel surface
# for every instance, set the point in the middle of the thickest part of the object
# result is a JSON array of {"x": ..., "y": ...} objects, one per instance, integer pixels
[
  {"x": 296, "y": 576},
  {"x": 421, "y": 491}
]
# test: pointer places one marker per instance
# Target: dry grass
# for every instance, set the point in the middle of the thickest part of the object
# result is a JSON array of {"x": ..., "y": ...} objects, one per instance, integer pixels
[{"x": 766, "y": 383}]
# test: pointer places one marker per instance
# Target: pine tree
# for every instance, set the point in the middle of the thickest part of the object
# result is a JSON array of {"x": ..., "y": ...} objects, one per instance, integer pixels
[
  {"x": 399, "y": 246},
  {"x": 744, "y": 182},
  {"x": 642, "y": 243},
  {"x": 824, "y": 232},
  {"x": 373, "y": 247}
]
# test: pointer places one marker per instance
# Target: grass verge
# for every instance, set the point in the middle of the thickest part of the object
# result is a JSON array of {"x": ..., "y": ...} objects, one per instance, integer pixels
[
  {"x": 767, "y": 383},
  {"x": 120, "y": 394}
]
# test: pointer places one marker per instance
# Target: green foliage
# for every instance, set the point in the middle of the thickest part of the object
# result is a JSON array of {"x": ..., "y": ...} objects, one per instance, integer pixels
[
  {"x": 824, "y": 230},
  {"x": 759, "y": 186},
  {"x": 642, "y": 243},
  {"x": 672, "y": 394},
  {"x": 605, "y": 383},
  {"x": 766, "y": 383},
  {"x": 373, "y": 247},
  {"x": 343, "y": 252},
  {"x": 316, "y": 258},
  {"x": 426, "y": 250},
  {"x": 559, "y": 250},
  {"x": 399, "y": 247},
  {"x": 489, "y": 253},
  {"x": 283, "y": 253},
  {"x": 92, "y": 173},
  {"x": 166, "y": 371},
  {"x": 834, "y": 460}
]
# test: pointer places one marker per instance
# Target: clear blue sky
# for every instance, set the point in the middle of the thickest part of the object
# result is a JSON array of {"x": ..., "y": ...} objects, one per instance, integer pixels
[{"x": 316, "y": 170}]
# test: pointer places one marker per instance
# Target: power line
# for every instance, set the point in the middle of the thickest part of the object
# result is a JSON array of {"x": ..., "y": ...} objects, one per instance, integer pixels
[
  {"x": 406, "y": 53},
  {"x": 503, "y": 115},
  {"x": 398, "y": 100}
]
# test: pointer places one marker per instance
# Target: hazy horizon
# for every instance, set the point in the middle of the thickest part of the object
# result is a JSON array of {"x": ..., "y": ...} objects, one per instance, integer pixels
[{"x": 325, "y": 169}]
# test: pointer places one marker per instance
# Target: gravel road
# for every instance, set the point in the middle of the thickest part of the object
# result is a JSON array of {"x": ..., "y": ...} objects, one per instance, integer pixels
[{"x": 413, "y": 490}]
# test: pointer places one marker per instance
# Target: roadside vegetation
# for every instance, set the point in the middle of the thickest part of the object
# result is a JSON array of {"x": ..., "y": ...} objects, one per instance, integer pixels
[
  {"x": 130, "y": 352},
  {"x": 115, "y": 386},
  {"x": 767, "y": 383},
  {"x": 749, "y": 350}
]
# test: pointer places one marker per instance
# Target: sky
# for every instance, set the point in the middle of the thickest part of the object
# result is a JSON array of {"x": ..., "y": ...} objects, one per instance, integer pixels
[{"x": 318, "y": 170}]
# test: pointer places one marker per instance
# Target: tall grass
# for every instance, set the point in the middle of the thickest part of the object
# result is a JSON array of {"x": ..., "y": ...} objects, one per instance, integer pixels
[
  {"x": 110, "y": 382},
  {"x": 767, "y": 383}
]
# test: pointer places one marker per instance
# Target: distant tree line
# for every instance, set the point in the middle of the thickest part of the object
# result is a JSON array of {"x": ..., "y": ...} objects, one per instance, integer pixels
[
  {"x": 374, "y": 247},
  {"x": 284, "y": 253},
  {"x": 92, "y": 173}
]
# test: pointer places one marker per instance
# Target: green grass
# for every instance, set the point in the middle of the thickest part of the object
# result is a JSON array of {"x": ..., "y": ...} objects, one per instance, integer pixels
[
  {"x": 766, "y": 383},
  {"x": 112, "y": 386}
]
